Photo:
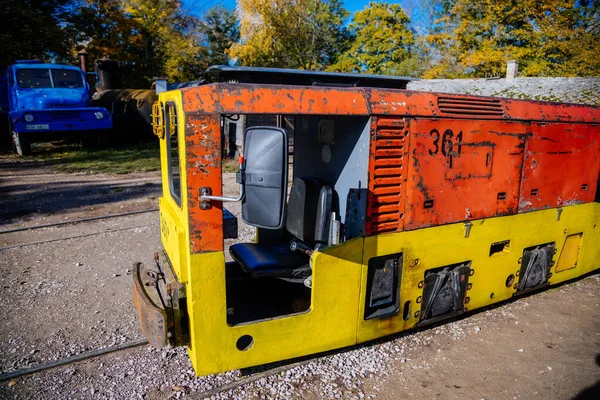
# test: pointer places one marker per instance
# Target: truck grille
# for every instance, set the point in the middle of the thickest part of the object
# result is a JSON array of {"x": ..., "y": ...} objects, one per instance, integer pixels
[
  {"x": 64, "y": 115},
  {"x": 61, "y": 105}
]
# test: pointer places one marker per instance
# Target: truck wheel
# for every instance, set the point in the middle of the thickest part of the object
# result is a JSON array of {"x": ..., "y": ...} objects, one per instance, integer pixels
[{"x": 21, "y": 144}]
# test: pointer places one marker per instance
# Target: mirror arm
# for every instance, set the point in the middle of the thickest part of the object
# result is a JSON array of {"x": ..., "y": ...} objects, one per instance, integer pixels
[
  {"x": 205, "y": 195},
  {"x": 205, "y": 192}
]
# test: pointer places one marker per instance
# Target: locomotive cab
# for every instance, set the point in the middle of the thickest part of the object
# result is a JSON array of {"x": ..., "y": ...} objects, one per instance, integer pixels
[
  {"x": 365, "y": 210},
  {"x": 273, "y": 276}
]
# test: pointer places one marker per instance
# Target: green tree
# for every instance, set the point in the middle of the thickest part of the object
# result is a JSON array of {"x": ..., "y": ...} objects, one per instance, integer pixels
[
  {"x": 108, "y": 32},
  {"x": 31, "y": 29},
  {"x": 306, "y": 34},
  {"x": 219, "y": 31},
  {"x": 382, "y": 43},
  {"x": 149, "y": 37},
  {"x": 170, "y": 43},
  {"x": 476, "y": 38}
]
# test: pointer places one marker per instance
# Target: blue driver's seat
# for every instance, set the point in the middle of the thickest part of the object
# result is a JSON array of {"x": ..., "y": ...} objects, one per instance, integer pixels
[{"x": 308, "y": 220}]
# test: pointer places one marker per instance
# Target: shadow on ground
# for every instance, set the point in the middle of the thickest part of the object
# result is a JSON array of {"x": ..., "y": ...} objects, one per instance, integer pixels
[{"x": 592, "y": 392}]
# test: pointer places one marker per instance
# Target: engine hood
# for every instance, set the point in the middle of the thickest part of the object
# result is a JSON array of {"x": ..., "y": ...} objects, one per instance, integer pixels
[{"x": 42, "y": 99}]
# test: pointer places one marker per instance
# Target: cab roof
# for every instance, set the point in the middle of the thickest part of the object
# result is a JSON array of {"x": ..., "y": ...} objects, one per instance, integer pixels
[
  {"x": 282, "y": 76},
  {"x": 40, "y": 65}
]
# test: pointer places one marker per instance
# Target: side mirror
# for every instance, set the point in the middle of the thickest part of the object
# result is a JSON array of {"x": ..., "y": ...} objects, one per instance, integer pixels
[{"x": 265, "y": 182}]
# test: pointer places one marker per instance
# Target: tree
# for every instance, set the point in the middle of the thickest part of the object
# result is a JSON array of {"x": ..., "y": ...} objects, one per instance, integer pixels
[
  {"x": 219, "y": 31},
  {"x": 476, "y": 38},
  {"x": 169, "y": 37},
  {"x": 149, "y": 37},
  {"x": 306, "y": 34},
  {"x": 108, "y": 32},
  {"x": 382, "y": 43},
  {"x": 31, "y": 29}
]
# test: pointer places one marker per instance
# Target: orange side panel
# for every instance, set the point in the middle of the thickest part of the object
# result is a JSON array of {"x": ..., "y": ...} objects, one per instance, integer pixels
[
  {"x": 461, "y": 170},
  {"x": 203, "y": 169},
  {"x": 561, "y": 166},
  {"x": 244, "y": 98},
  {"x": 414, "y": 103}
]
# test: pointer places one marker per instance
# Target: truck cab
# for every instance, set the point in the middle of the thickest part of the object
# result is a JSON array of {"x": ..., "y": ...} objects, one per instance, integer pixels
[{"x": 46, "y": 102}]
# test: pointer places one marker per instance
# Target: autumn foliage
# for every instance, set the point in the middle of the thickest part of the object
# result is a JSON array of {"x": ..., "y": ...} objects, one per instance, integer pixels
[{"x": 421, "y": 38}]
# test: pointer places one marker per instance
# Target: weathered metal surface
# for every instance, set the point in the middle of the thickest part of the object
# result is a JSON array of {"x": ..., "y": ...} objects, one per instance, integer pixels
[
  {"x": 470, "y": 169},
  {"x": 203, "y": 169},
  {"x": 561, "y": 166},
  {"x": 131, "y": 110},
  {"x": 236, "y": 98},
  {"x": 462, "y": 170},
  {"x": 424, "y": 104},
  {"x": 229, "y": 98},
  {"x": 174, "y": 296},
  {"x": 153, "y": 319},
  {"x": 387, "y": 175}
]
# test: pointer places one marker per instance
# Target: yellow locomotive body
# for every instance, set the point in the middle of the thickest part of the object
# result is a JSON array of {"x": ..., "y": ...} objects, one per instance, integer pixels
[{"x": 416, "y": 230}]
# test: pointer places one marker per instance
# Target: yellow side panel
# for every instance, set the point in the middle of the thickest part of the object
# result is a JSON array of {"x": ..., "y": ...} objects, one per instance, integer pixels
[
  {"x": 336, "y": 317},
  {"x": 570, "y": 253},
  {"x": 329, "y": 324},
  {"x": 435, "y": 247},
  {"x": 174, "y": 227}
]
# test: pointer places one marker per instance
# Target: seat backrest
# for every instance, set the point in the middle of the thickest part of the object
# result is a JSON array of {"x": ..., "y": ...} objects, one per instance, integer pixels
[
  {"x": 323, "y": 220},
  {"x": 309, "y": 210}
]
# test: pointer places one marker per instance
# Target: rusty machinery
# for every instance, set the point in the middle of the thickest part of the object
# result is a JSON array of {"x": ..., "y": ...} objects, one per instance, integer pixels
[{"x": 402, "y": 208}]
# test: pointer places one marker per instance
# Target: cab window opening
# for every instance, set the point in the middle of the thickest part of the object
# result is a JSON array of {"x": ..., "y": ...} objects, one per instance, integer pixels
[
  {"x": 326, "y": 201},
  {"x": 173, "y": 152}
]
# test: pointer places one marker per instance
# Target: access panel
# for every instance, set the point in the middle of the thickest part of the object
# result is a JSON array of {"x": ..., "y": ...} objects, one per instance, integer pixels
[
  {"x": 461, "y": 170},
  {"x": 561, "y": 165}
]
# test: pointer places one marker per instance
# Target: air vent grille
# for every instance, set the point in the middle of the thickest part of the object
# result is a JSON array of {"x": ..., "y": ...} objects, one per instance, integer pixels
[
  {"x": 471, "y": 107},
  {"x": 386, "y": 177}
]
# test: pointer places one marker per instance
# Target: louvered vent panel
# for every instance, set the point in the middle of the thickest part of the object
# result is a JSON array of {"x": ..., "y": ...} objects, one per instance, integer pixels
[
  {"x": 386, "y": 177},
  {"x": 471, "y": 107}
]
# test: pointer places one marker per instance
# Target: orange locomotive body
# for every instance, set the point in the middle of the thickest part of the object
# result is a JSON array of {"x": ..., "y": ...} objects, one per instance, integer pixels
[
  {"x": 405, "y": 208},
  {"x": 434, "y": 158}
]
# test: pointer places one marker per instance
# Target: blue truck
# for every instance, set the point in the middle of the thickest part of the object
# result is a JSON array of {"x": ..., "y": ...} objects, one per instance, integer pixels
[{"x": 49, "y": 102}]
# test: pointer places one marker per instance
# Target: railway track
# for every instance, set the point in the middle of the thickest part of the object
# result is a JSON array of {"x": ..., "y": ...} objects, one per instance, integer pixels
[
  {"x": 76, "y": 221},
  {"x": 143, "y": 342}
]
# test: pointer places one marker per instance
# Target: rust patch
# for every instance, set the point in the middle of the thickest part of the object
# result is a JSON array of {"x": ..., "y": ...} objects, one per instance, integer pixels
[{"x": 203, "y": 169}]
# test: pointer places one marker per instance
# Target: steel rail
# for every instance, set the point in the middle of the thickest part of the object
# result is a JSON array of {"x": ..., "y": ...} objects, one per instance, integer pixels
[
  {"x": 68, "y": 360},
  {"x": 75, "y": 221},
  {"x": 75, "y": 237},
  {"x": 244, "y": 381}
]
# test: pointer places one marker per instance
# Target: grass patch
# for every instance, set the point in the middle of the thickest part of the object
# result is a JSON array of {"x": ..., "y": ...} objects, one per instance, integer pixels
[
  {"x": 122, "y": 159},
  {"x": 230, "y": 165}
]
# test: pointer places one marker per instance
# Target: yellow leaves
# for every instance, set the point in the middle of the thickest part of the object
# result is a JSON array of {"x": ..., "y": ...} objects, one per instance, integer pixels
[
  {"x": 381, "y": 43},
  {"x": 288, "y": 33},
  {"x": 546, "y": 37}
]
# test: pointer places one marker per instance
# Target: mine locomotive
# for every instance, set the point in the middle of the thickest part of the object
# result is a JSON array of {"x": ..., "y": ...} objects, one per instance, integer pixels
[{"x": 397, "y": 209}]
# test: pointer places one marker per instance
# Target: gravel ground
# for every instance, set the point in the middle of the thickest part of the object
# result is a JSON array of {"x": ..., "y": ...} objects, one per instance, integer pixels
[
  {"x": 65, "y": 297},
  {"x": 521, "y": 350}
]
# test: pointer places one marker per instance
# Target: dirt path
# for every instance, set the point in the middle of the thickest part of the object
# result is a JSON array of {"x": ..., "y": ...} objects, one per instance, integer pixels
[
  {"x": 31, "y": 191},
  {"x": 67, "y": 296}
]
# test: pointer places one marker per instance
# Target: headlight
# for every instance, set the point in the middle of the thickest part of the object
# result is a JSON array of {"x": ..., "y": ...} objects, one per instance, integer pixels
[
  {"x": 99, "y": 115},
  {"x": 28, "y": 117}
]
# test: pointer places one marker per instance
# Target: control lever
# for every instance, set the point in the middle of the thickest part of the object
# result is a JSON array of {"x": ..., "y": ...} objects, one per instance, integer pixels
[{"x": 299, "y": 246}]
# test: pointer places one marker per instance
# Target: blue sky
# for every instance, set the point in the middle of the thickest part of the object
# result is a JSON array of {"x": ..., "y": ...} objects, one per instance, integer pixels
[
  {"x": 198, "y": 6},
  {"x": 419, "y": 20}
]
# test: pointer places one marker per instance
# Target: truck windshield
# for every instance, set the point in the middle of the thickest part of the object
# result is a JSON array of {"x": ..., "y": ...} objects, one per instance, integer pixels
[{"x": 40, "y": 78}]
